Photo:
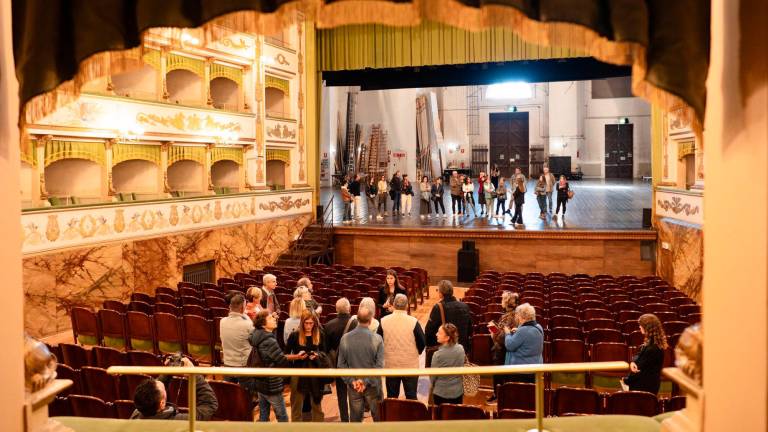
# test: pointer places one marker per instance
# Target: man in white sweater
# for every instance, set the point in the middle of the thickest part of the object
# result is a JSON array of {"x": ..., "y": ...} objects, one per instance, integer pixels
[{"x": 404, "y": 341}]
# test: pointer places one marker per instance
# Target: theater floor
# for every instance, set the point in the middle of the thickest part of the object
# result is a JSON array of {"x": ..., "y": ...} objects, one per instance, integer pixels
[{"x": 597, "y": 205}]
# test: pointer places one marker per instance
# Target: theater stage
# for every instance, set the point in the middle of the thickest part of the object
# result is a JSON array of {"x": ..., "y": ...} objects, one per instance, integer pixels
[{"x": 602, "y": 233}]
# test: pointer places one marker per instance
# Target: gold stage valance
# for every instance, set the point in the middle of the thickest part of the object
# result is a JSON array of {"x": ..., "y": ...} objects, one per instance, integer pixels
[
  {"x": 177, "y": 153},
  {"x": 56, "y": 150},
  {"x": 430, "y": 43},
  {"x": 234, "y": 154},
  {"x": 278, "y": 83},
  {"x": 666, "y": 43},
  {"x": 279, "y": 155},
  {"x": 152, "y": 58},
  {"x": 28, "y": 154},
  {"x": 685, "y": 148},
  {"x": 175, "y": 61},
  {"x": 229, "y": 72},
  {"x": 124, "y": 152}
]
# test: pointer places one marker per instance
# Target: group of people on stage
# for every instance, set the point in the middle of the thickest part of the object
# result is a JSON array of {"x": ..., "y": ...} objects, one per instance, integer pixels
[{"x": 462, "y": 189}]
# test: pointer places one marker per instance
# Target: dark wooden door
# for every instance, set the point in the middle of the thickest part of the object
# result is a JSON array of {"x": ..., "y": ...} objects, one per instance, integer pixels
[
  {"x": 619, "y": 150},
  {"x": 509, "y": 146}
]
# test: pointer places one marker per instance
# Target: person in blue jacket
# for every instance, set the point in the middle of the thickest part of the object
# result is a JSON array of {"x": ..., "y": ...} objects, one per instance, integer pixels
[{"x": 525, "y": 343}]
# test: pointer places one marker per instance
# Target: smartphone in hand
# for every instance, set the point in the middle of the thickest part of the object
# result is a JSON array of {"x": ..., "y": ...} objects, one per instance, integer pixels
[{"x": 493, "y": 327}]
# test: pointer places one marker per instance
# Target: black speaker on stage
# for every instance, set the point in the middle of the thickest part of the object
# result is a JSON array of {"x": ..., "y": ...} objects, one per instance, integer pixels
[
  {"x": 647, "y": 218},
  {"x": 468, "y": 262}
]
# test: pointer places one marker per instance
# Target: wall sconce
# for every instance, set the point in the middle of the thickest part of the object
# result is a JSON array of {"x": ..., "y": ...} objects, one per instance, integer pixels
[
  {"x": 512, "y": 108},
  {"x": 624, "y": 120}
]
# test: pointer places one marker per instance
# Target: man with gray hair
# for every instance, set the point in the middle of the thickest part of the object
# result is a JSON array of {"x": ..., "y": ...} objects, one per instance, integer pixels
[
  {"x": 449, "y": 310},
  {"x": 334, "y": 330},
  {"x": 525, "y": 343},
  {"x": 361, "y": 348},
  {"x": 404, "y": 341},
  {"x": 269, "y": 299}
]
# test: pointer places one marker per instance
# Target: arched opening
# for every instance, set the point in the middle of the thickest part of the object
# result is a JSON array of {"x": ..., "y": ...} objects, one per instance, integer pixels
[
  {"x": 27, "y": 177},
  {"x": 185, "y": 178},
  {"x": 275, "y": 103},
  {"x": 184, "y": 87},
  {"x": 136, "y": 83},
  {"x": 224, "y": 93},
  {"x": 225, "y": 175},
  {"x": 73, "y": 181},
  {"x": 276, "y": 174},
  {"x": 135, "y": 179}
]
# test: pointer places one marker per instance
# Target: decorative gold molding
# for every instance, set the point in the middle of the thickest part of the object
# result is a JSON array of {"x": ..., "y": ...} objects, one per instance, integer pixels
[
  {"x": 677, "y": 207},
  {"x": 184, "y": 122},
  {"x": 460, "y": 233},
  {"x": 286, "y": 203}
]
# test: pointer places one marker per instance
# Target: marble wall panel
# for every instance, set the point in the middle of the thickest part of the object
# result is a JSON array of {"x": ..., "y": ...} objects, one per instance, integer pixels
[
  {"x": 57, "y": 281},
  {"x": 680, "y": 255},
  {"x": 438, "y": 254}
]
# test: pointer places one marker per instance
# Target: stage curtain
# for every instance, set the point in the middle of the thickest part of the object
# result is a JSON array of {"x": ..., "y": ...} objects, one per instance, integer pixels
[
  {"x": 234, "y": 154},
  {"x": 56, "y": 150},
  {"x": 177, "y": 153},
  {"x": 62, "y": 44},
  {"x": 124, "y": 152},
  {"x": 279, "y": 155},
  {"x": 229, "y": 72},
  {"x": 431, "y": 43}
]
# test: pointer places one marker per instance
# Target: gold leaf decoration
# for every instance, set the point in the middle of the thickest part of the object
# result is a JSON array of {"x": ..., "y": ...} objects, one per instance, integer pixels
[{"x": 285, "y": 204}]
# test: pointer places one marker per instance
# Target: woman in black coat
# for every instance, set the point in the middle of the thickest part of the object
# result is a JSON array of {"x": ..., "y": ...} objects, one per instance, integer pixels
[
  {"x": 563, "y": 187},
  {"x": 387, "y": 293},
  {"x": 646, "y": 367},
  {"x": 308, "y": 341},
  {"x": 269, "y": 389}
]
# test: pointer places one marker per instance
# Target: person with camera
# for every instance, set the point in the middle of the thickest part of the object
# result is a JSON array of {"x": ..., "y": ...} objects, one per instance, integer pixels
[
  {"x": 308, "y": 341},
  {"x": 150, "y": 397}
]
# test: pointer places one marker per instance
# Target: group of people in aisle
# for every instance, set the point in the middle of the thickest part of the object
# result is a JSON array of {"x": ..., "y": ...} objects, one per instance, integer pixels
[
  {"x": 400, "y": 192},
  {"x": 352, "y": 341}
]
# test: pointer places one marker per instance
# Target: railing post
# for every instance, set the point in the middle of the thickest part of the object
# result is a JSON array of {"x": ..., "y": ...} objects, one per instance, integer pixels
[
  {"x": 539, "y": 403},
  {"x": 191, "y": 400}
]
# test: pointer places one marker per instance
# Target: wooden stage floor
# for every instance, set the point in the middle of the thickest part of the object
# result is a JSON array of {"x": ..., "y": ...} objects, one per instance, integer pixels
[{"x": 602, "y": 205}]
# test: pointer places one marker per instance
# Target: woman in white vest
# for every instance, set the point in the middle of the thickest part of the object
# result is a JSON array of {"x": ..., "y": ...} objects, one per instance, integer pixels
[{"x": 404, "y": 341}]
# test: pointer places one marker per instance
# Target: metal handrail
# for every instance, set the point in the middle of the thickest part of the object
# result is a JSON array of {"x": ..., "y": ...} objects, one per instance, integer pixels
[{"x": 539, "y": 370}]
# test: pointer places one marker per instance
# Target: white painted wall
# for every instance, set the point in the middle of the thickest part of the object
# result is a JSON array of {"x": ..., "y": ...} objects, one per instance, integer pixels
[
  {"x": 73, "y": 177},
  {"x": 225, "y": 173},
  {"x": 600, "y": 112},
  {"x": 186, "y": 175},
  {"x": 559, "y": 113},
  {"x": 395, "y": 110},
  {"x": 224, "y": 93},
  {"x": 138, "y": 83},
  {"x": 135, "y": 176},
  {"x": 27, "y": 174},
  {"x": 184, "y": 86}
]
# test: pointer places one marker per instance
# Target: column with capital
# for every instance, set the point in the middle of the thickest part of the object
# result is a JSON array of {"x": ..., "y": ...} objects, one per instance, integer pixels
[
  {"x": 40, "y": 158},
  {"x": 208, "y": 185},
  {"x": 207, "y": 82},
  {"x": 163, "y": 180},
  {"x": 163, "y": 84},
  {"x": 107, "y": 169},
  {"x": 257, "y": 156}
]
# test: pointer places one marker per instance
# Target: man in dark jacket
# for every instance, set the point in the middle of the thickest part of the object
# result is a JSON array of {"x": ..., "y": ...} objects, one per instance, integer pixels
[
  {"x": 354, "y": 190},
  {"x": 456, "y": 313},
  {"x": 334, "y": 330},
  {"x": 151, "y": 403},
  {"x": 269, "y": 389}
]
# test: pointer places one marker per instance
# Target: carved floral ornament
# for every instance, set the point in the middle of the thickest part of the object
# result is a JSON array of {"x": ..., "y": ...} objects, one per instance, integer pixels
[
  {"x": 286, "y": 203},
  {"x": 96, "y": 225},
  {"x": 187, "y": 123},
  {"x": 677, "y": 207}
]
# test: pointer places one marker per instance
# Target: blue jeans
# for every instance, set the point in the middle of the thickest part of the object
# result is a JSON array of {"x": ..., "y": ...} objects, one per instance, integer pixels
[
  {"x": 275, "y": 401},
  {"x": 357, "y": 401},
  {"x": 549, "y": 201},
  {"x": 341, "y": 395},
  {"x": 542, "y": 199},
  {"x": 396, "y": 202}
]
